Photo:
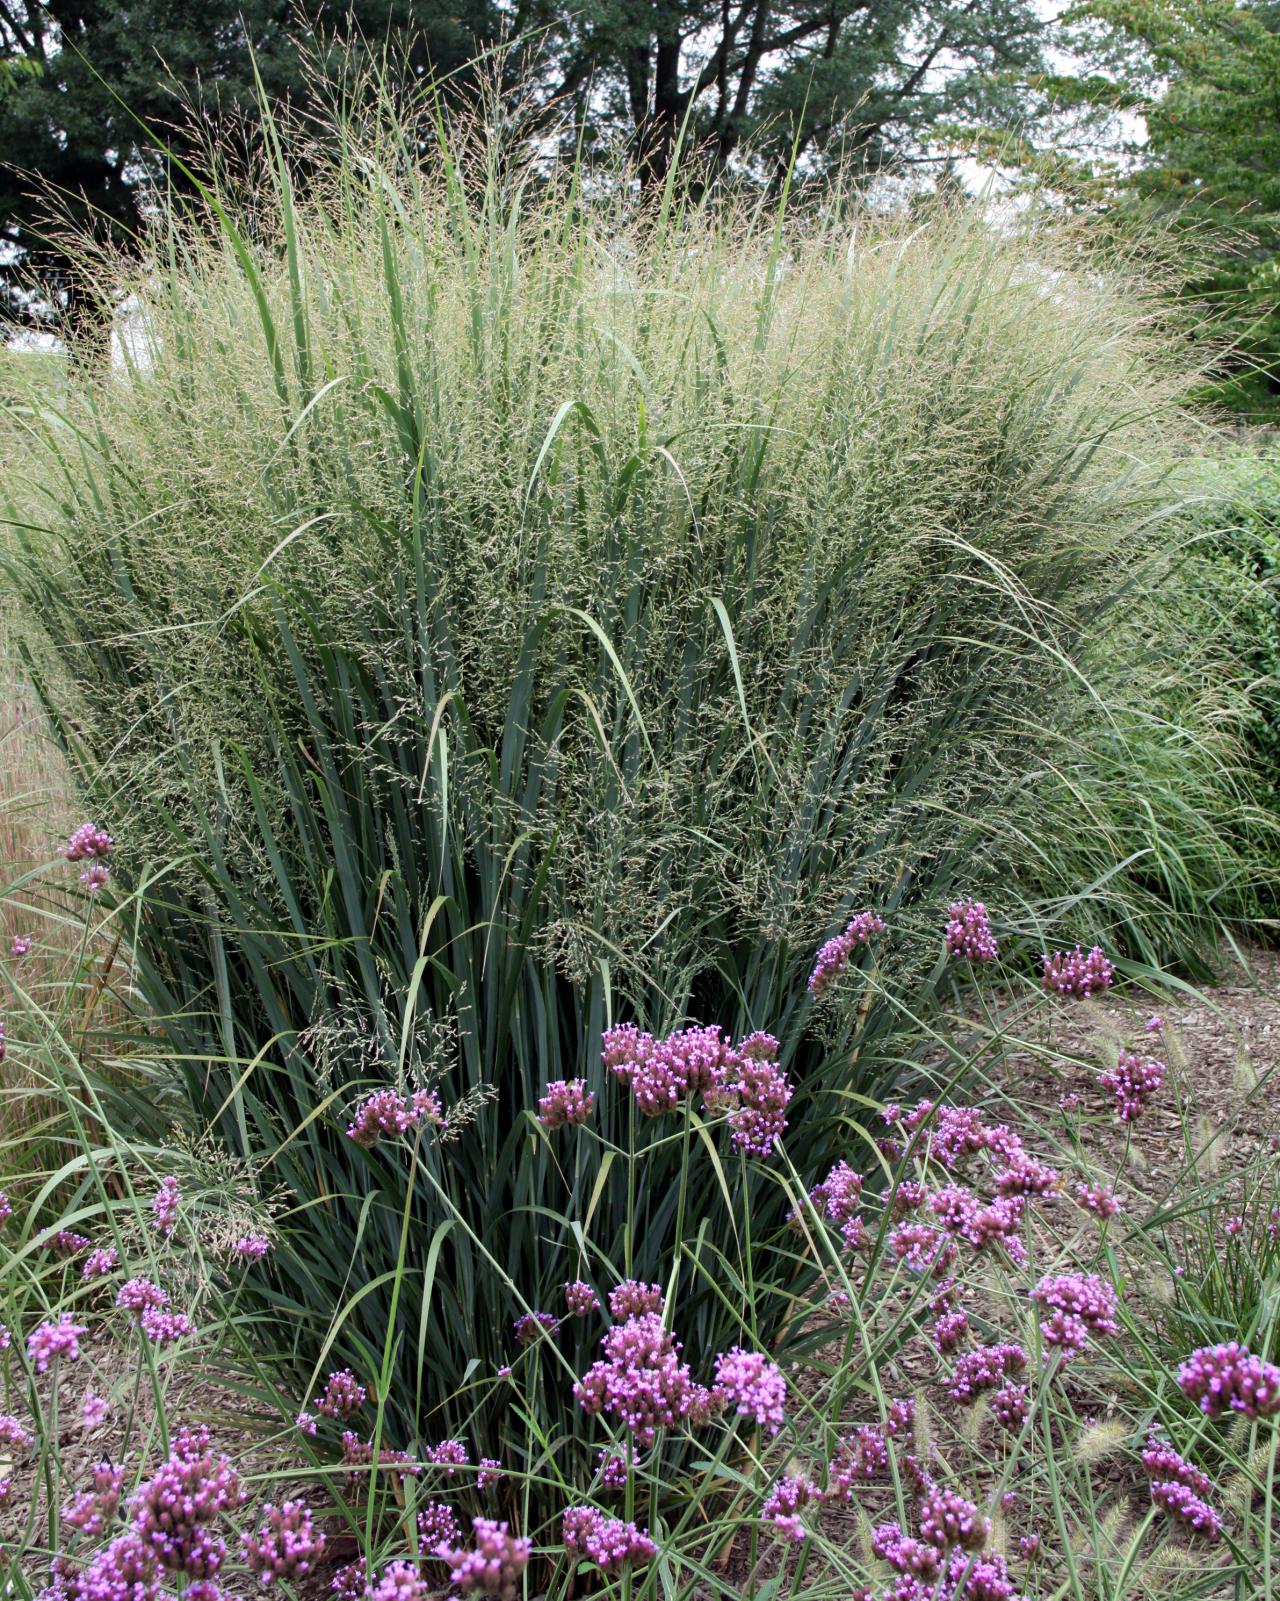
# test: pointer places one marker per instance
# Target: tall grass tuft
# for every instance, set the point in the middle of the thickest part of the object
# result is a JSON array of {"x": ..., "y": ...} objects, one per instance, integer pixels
[{"x": 494, "y": 607}]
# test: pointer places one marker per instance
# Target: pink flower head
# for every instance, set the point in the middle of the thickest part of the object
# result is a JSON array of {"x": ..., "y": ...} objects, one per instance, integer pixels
[
  {"x": 89, "y": 842},
  {"x": 753, "y": 1385},
  {"x": 136, "y": 1295},
  {"x": 834, "y": 956},
  {"x": 6, "y": 1208},
  {"x": 949, "y": 1331},
  {"x": 21, "y": 945},
  {"x": 1161, "y": 1461},
  {"x": 923, "y": 1249},
  {"x": 52, "y": 1340},
  {"x": 533, "y": 1326},
  {"x": 100, "y": 1262},
  {"x": 612, "y": 1469},
  {"x": 663, "y": 1074},
  {"x": 985, "y": 1368},
  {"x": 1073, "y": 973},
  {"x": 13, "y": 1434},
  {"x": 1083, "y": 1295},
  {"x": 164, "y": 1327},
  {"x": 286, "y": 1545},
  {"x": 94, "y": 1411},
  {"x": 785, "y": 1502},
  {"x": 1100, "y": 1199},
  {"x": 758, "y": 1094},
  {"x": 607, "y": 1542},
  {"x": 165, "y": 1205},
  {"x": 171, "y": 1512},
  {"x": 641, "y": 1380},
  {"x": 1009, "y": 1406},
  {"x": 253, "y": 1247},
  {"x": 490, "y": 1472},
  {"x": 493, "y": 1566},
  {"x": 437, "y": 1525},
  {"x": 66, "y": 1242},
  {"x": 384, "y": 1114},
  {"x": 631, "y": 1298},
  {"x": 580, "y": 1299},
  {"x": 969, "y": 931},
  {"x": 565, "y": 1102},
  {"x": 95, "y": 877},
  {"x": 342, "y": 1397},
  {"x": 1229, "y": 1378},
  {"x": 1233, "y": 1226},
  {"x": 448, "y": 1454},
  {"x": 947, "y": 1519},
  {"x": 93, "y": 1510},
  {"x": 1190, "y": 1509},
  {"x": 1133, "y": 1081}
]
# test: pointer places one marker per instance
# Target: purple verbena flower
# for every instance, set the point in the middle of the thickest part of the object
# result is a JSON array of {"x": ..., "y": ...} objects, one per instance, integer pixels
[
  {"x": 612, "y": 1469},
  {"x": 100, "y": 1262},
  {"x": 93, "y": 1510},
  {"x": 1229, "y": 1378},
  {"x": 494, "y": 1564},
  {"x": 985, "y": 1368},
  {"x": 13, "y": 1434},
  {"x": 788, "y": 1498},
  {"x": 1185, "y": 1505},
  {"x": 342, "y": 1397},
  {"x": 437, "y": 1525},
  {"x": 172, "y": 1510},
  {"x": 834, "y": 956},
  {"x": 969, "y": 931},
  {"x": 94, "y": 1410},
  {"x": 1074, "y": 973},
  {"x": 1100, "y": 1199},
  {"x": 580, "y": 1299},
  {"x": 947, "y": 1519},
  {"x": 641, "y": 1381},
  {"x": 1009, "y": 1406},
  {"x": 565, "y": 1102},
  {"x": 163, "y": 1326},
  {"x": 286, "y": 1544},
  {"x": 753, "y": 1385},
  {"x": 165, "y": 1205},
  {"x": 89, "y": 842},
  {"x": 631, "y": 1298},
  {"x": 52, "y": 1340},
  {"x": 253, "y": 1247},
  {"x": 1133, "y": 1081},
  {"x": 607, "y": 1542},
  {"x": 532, "y": 1326},
  {"x": 21, "y": 945}
]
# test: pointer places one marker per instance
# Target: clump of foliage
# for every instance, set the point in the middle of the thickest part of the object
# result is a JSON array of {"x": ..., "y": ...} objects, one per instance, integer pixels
[
  {"x": 490, "y": 609},
  {"x": 1027, "y": 1369}
]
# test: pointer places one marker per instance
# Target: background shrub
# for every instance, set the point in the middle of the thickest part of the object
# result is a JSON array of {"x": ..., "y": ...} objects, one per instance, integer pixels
[{"x": 490, "y": 610}]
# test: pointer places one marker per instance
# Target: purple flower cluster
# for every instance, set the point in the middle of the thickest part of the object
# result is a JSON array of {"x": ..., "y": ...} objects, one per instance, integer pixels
[
  {"x": 494, "y": 1564},
  {"x": 92, "y": 1510},
  {"x": 286, "y": 1543},
  {"x": 1009, "y": 1406},
  {"x": 1133, "y": 1081},
  {"x": 662, "y": 1074},
  {"x": 164, "y": 1206},
  {"x": 21, "y": 944},
  {"x": 1073, "y": 973},
  {"x": 13, "y": 1434},
  {"x": 88, "y": 843},
  {"x": 447, "y": 1454},
  {"x": 607, "y": 1542},
  {"x": 101, "y": 1262},
  {"x": 580, "y": 1299},
  {"x": 1100, "y": 1199},
  {"x": 1229, "y": 1378},
  {"x": 612, "y": 1469},
  {"x": 387, "y": 1115},
  {"x": 565, "y": 1102},
  {"x": 490, "y": 1472},
  {"x": 162, "y": 1326},
  {"x": 172, "y": 1511},
  {"x": 760, "y": 1093},
  {"x": 947, "y": 1519},
  {"x": 949, "y": 1331},
  {"x": 94, "y": 1410},
  {"x": 985, "y": 1368},
  {"x": 1076, "y": 1301},
  {"x": 923, "y": 1249},
  {"x": 834, "y": 956},
  {"x": 437, "y": 1525},
  {"x": 969, "y": 931},
  {"x": 253, "y": 1247},
  {"x": 342, "y": 1396},
  {"x": 641, "y": 1381},
  {"x": 136, "y": 1295},
  {"x": 631, "y": 1298},
  {"x": 1183, "y": 1503},
  {"x": 753, "y": 1385},
  {"x": 532, "y": 1326},
  {"x": 52, "y": 1340},
  {"x": 787, "y": 1499}
]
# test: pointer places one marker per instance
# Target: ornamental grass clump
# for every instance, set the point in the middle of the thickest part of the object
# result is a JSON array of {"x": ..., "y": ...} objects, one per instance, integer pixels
[{"x": 516, "y": 626}]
